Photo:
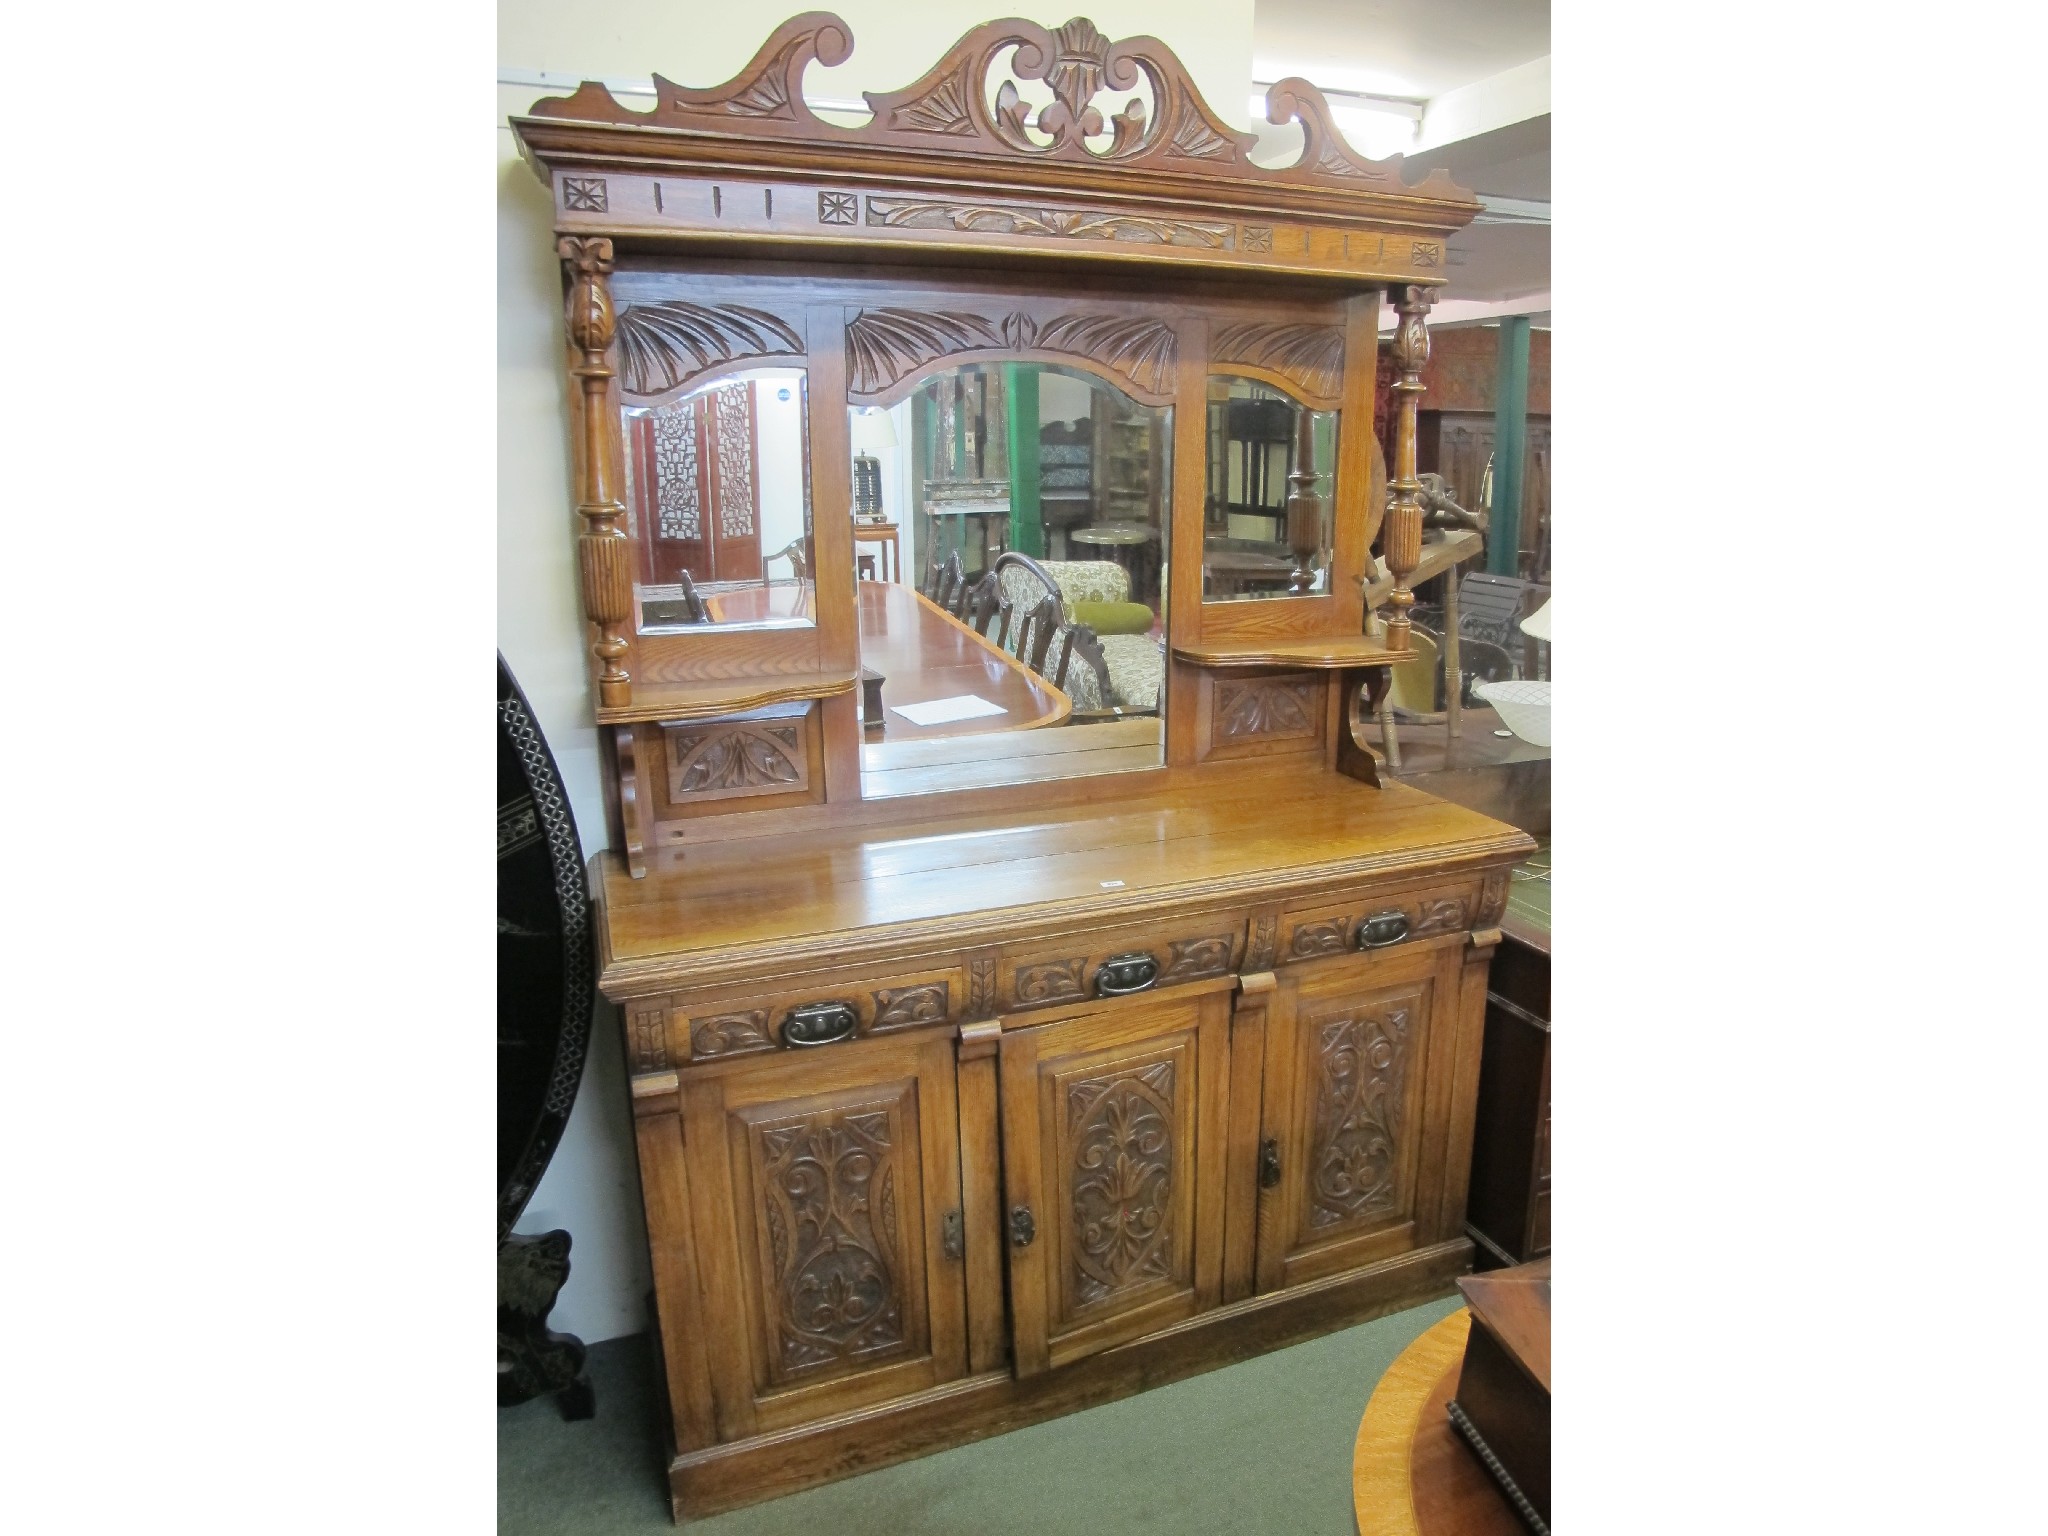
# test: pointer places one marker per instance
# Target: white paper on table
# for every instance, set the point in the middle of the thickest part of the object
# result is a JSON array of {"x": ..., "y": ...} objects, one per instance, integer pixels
[{"x": 962, "y": 706}]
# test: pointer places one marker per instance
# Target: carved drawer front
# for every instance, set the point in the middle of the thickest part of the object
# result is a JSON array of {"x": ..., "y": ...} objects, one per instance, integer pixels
[
  {"x": 1357, "y": 1053},
  {"x": 744, "y": 1024},
  {"x": 1382, "y": 918},
  {"x": 823, "y": 1186},
  {"x": 1113, "y": 962},
  {"x": 1113, "y": 1149}
]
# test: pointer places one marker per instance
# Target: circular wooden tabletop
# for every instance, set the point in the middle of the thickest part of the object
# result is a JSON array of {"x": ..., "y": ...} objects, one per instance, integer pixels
[{"x": 1412, "y": 1474}]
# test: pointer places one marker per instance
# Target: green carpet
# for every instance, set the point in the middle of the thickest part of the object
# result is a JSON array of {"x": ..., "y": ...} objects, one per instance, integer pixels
[{"x": 1260, "y": 1447}]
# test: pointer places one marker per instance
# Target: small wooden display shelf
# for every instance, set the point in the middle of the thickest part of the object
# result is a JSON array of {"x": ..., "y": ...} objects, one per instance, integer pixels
[
  {"x": 718, "y": 697},
  {"x": 1323, "y": 654}
]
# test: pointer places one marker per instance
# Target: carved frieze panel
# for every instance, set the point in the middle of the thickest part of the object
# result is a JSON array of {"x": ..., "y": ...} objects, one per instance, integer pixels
[
  {"x": 1355, "y": 1134},
  {"x": 1192, "y": 959},
  {"x": 663, "y": 346},
  {"x": 981, "y": 987},
  {"x": 730, "y": 1034},
  {"x": 762, "y": 753},
  {"x": 1493, "y": 899},
  {"x": 979, "y": 216},
  {"x": 1310, "y": 357},
  {"x": 1326, "y": 937},
  {"x": 1258, "y": 955},
  {"x": 1120, "y": 1150},
  {"x": 833, "y": 1280},
  {"x": 1049, "y": 981},
  {"x": 1444, "y": 914},
  {"x": 896, "y": 1007},
  {"x": 884, "y": 346}
]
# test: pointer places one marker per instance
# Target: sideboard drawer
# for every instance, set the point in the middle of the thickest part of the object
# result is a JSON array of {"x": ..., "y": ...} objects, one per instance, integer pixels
[
  {"x": 1377, "y": 919},
  {"x": 737, "y": 1024},
  {"x": 1071, "y": 969}
]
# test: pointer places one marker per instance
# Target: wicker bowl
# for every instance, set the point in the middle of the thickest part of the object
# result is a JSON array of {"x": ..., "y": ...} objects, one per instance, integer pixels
[{"x": 1523, "y": 707}]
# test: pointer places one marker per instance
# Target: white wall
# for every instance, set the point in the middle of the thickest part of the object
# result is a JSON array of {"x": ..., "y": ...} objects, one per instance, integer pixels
[
  {"x": 591, "y": 1188},
  {"x": 779, "y": 437}
]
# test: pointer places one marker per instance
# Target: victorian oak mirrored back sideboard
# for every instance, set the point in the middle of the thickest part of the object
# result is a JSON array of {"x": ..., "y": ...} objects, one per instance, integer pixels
[{"x": 1032, "y": 989}]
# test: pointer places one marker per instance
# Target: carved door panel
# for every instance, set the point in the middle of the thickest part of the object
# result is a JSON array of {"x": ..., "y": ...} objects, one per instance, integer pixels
[
  {"x": 823, "y": 1189},
  {"x": 1113, "y": 1140},
  {"x": 1358, "y": 1061}
]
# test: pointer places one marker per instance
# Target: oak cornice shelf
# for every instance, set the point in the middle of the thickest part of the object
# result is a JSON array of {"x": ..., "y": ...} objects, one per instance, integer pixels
[
  {"x": 1332, "y": 653},
  {"x": 709, "y": 700}
]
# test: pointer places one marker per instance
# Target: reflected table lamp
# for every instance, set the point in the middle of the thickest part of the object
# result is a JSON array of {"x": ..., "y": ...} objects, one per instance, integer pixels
[{"x": 871, "y": 429}]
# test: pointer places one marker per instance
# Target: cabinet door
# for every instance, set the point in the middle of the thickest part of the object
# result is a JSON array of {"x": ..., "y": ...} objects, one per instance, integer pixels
[
  {"x": 1358, "y": 1060},
  {"x": 1113, "y": 1134},
  {"x": 821, "y": 1187}
]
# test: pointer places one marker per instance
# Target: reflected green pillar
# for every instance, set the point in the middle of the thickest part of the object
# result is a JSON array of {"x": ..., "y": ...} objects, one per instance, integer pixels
[
  {"x": 1510, "y": 440},
  {"x": 1027, "y": 525}
]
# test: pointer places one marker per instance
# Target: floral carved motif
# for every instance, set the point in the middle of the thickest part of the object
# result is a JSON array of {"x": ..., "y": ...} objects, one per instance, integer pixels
[
  {"x": 1493, "y": 899},
  {"x": 728, "y": 1034},
  {"x": 1050, "y": 981},
  {"x": 883, "y": 345},
  {"x": 663, "y": 346},
  {"x": 1122, "y": 1212},
  {"x": 1191, "y": 959},
  {"x": 1265, "y": 708},
  {"x": 1323, "y": 938},
  {"x": 828, "y": 1204},
  {"x": 1057, "y": 223},
  {"x": 1354, "y": 1137},
  {"x": 1258, "y": 955},
  {"x": 727, "y": 760},
  {"x": 910, "y": 1005},
  {"x": 1311, "y": 356},
  {"x": 1442, "y": 916}
]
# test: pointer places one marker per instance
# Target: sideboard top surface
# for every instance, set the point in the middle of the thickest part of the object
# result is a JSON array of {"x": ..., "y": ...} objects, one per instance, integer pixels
[{"x": 1231, "y": 833}]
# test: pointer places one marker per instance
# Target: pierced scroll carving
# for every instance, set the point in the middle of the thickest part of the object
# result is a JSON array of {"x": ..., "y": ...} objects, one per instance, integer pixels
[
  {"x": 1267, "y": 708},
  {"x": 827, "y": 1186},
  {"x": 678, "y": 510},
  {"x": 896, "y": 1006},
  {"x": 726, "y": 759},
  {"x": 1121, "y": 1141},
  {"x": 664, "y": 346},
  {"x": 1192, "y": 959},
  {"x": 1055, "y": 223},
  {"x": 1311, "y": 357},
  {"x": 604, "y": 555},
  {"x": 884, "y": 345},
  {"x": 649, "y": 1028},
  {"x": 729, "y": 1034},
  {"x": 981, "y": 987},
  {"x": 1354, "y": 1137},
  {"x": 1050, "y": 981},
  {"x": 947, "y": 111}
]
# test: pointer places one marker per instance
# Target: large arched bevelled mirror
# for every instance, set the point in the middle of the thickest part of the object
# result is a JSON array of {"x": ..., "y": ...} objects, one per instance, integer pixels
[
  {"x": 1267, "y": 529},
  {"x": 718, "y": 505},
  {"x": 1024, "y": 636}
]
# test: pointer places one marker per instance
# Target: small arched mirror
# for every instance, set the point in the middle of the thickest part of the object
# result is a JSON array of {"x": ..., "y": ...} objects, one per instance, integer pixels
[{"x": 1267, "y": 529}]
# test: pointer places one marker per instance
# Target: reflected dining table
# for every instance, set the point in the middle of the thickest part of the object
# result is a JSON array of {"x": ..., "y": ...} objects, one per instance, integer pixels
[{"x": 924, "y": 653}]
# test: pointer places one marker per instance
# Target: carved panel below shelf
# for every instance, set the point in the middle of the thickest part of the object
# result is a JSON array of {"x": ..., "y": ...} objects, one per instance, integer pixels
[
  {"x": 1267, "y": 709},
  {"x": 762, "y": 753}
]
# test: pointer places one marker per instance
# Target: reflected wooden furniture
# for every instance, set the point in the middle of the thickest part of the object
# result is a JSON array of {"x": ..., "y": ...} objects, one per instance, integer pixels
[
  {"x": 1509, "y": 1216},
  {"x": 958, "y": 1110},
  {"x": 890, "y": 551},
  {"x": 990, "y": 517},
  {"x": 1412, "y": 1474},
  {"x": 759, "y": 602},
  {"x": 924, "y": 653}
]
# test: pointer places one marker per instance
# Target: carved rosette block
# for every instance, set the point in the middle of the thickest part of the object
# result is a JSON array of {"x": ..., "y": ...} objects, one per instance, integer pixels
[
  {"x": 1401, "y": 538},
  {"x": 602, "y": 554}
]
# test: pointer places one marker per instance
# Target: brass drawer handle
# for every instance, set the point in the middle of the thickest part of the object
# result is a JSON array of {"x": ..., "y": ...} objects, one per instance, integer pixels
[
  {"x": 1121, "y": 974},
  {"x": 1383, "y": 928},
  {"x": 819, "y": 1024},
  {"x": 1022, "y": 1227}
]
